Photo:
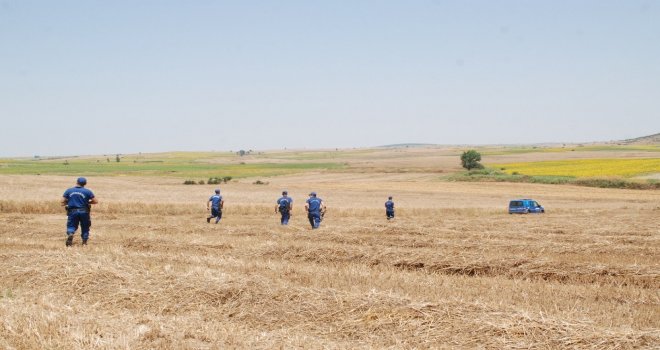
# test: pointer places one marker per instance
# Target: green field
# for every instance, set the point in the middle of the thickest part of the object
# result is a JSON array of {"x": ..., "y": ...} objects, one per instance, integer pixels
[
  {"x": 203, "y": 165},
  {"x": 175, "y": 164}
]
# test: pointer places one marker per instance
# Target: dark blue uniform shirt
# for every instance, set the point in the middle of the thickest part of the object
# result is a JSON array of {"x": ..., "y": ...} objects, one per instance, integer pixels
[
  {"x": 284, "y": 202},
  {"x": 78, "y": 197},
  {"x": 314, "y": 204},
  {"x": 215, "y": 201}
]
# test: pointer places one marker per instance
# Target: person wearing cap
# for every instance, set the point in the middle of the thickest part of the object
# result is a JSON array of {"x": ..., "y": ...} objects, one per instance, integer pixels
[
  {"x": 215, "y": 205},
  {"x": 78, "y": 201},
  {"x": 284, "y": 207},
  {"x": 314, "y": 206},
  {"x": 389, "y": 208}
]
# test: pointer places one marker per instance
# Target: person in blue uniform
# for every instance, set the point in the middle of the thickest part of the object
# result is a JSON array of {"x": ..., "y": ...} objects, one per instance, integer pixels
[
  {"x": 389, "y": 208},
  {"x": 314, "y": 207},
  {"x": 78, "y": 202},
  {"x": 215, "y": 205},
  {"x": 284, "y": 207}
]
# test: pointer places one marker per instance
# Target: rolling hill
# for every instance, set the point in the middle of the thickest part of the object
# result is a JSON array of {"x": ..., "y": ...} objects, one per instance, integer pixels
[{"x": 644, "y": 140}]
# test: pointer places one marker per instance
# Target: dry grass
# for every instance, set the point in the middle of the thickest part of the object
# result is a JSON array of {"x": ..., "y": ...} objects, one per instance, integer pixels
[{"x": 452, "y": 271}]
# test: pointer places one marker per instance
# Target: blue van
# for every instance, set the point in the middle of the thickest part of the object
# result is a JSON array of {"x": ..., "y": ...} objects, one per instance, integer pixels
[{"x": 524, "y": 206}]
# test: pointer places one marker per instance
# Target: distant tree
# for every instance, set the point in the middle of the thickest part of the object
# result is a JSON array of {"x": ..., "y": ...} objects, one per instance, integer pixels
[
  {"x": 117, "y": 159},
  {"x": 241, "y": 152},
  {"x": 470, "y": 160}
]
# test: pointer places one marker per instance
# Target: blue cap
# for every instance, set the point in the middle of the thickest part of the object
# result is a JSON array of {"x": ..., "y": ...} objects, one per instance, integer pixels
[
  {"x": 81, "y": 181},
  {"x": 313, "y": 194},
  {"x": 285, "y": 192},
  {"x": 217, "y": 190}
]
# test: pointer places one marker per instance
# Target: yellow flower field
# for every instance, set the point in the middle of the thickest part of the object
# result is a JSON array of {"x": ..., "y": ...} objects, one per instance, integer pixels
[{"x": 585, "y": 167}]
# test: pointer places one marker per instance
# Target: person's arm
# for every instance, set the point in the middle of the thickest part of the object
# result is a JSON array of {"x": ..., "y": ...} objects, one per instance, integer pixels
[
  {"x": 93, "y": 201},
  {"x": 222, "y": 204},
  {"x": 64, "y": 201},
  {"x": 208, "y": 205}
]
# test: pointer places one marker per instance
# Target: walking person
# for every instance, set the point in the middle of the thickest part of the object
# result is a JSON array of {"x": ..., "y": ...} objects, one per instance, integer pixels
[
  {"x": 78, "y": 202},
  {"x": 389, "y": 208},
  {"x": 314, "y": 207},
  {"x": 215, "y": 205},
  {"x": 284, "y": 207}
]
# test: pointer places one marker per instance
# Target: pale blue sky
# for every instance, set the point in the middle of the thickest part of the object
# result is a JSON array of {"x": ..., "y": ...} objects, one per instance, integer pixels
[{"x": 96, "y": 77}]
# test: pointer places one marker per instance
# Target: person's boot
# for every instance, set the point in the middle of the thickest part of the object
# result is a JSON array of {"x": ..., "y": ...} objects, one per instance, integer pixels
[
  {"x": 84, "y": 242},
  {"x": 208, "y": 220},
  {"x": 69, "y": 240}
]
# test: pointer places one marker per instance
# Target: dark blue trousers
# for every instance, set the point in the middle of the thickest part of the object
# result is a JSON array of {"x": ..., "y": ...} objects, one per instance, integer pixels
[
  {"x": 314, "y": 219},
  {"x": 216, "y": 213},
  {"x": 76, "y": 218},
  {"x": 286, "y": 215}
]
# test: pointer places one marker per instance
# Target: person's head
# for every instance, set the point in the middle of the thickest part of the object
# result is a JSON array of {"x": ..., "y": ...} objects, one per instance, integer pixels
[
  {"x": 217, "y": 191},
  {"x": 312, "y": 194},
  {"x": 81, "y": 182},
  {"x": 284, "y": 193},
  {"x": 390, "y": 197}
]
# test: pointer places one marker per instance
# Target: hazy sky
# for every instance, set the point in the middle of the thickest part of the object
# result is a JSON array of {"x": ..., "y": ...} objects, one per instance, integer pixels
[{"x": 96, "y": 77}]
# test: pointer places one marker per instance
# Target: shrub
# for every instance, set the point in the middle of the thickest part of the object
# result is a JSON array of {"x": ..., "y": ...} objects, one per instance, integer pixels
[
  {"x": 617, "y": 183},
  {"x": 190, "y": 182},
  {"x": 488, "y": 175},
  {"x": 217, "y": 180},
  {"x": 213, "y": 180},
  {"x": 259, "y": 182}
]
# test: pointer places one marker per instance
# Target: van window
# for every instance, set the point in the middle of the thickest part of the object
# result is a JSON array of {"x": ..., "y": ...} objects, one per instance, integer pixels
[{"x": 516, "y": 204}]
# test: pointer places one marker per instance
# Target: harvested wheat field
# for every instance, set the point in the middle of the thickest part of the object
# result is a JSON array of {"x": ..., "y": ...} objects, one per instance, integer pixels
[{"x": 453, "y": 270}]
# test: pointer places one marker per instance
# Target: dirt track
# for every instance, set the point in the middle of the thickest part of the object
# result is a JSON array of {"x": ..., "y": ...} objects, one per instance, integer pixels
[{"x": 453, "y": 269}]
